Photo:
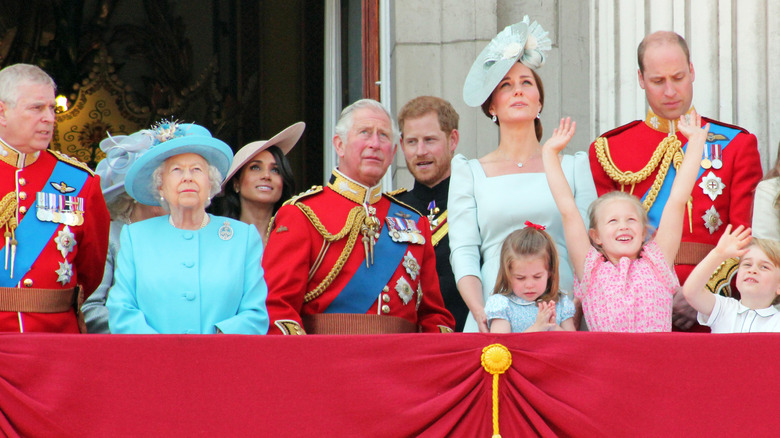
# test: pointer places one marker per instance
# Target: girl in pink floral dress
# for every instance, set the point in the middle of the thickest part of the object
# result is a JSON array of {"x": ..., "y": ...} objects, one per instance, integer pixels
[{"x": 624, "y": 281}]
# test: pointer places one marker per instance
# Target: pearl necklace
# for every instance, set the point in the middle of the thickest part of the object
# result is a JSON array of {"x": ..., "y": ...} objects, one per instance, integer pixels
[{"x": 203, "y": 223}]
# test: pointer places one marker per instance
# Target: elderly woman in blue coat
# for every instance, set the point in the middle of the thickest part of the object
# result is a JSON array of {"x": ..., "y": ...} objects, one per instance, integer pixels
[{"x": 186, "y": 272}]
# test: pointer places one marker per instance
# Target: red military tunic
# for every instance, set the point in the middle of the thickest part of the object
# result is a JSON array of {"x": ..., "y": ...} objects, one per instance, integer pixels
[
  {"x": 631, "y": 147},
  {"x": 298, "y": 259},
  {"x": 27, "y": 174}
]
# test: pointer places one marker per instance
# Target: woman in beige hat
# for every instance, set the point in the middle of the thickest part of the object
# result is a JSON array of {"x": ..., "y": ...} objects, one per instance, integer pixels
[{"x": 260, "y": 180}]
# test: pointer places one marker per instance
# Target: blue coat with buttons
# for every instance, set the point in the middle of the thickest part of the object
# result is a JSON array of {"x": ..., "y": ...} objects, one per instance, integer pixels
[{"x": 189, "y": 281}]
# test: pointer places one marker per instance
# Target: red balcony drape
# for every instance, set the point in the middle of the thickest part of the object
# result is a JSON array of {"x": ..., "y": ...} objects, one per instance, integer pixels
[{"x": 559, "y": 384}]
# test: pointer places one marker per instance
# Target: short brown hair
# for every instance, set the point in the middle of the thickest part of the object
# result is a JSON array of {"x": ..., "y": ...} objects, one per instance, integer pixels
[
  {"x": 537, "y": 121},
  {"x": 661, "y": 37},
  {"x": 529, "y": 242},
  {"x": 422, "y": 105}
]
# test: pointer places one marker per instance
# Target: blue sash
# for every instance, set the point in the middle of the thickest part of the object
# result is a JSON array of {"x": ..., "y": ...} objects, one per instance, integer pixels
[
  {"x": 364, "y": 287},
  {"x": 32, "y": 234},
  {"x": 663, "y": 194}
]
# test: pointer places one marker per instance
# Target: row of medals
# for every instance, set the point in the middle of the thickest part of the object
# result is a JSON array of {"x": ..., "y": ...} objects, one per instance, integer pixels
[
  {"x": 57, "y": 215},
  {"x": 713, "y": 156}
]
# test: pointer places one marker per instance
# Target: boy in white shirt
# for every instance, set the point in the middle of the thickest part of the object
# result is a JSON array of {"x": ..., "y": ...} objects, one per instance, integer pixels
[{"x": 758, "y": 281}]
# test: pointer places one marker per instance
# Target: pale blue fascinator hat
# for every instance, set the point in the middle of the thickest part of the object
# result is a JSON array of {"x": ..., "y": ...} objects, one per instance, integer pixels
[
  {"x": 121, "y": 152},
  {"x": 166, "y": 140},
  {"x": 524, "y": 41}
]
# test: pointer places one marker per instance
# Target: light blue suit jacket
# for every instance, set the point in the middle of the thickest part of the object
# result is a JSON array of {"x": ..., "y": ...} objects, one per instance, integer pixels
[{"x": 169, "y": 280}]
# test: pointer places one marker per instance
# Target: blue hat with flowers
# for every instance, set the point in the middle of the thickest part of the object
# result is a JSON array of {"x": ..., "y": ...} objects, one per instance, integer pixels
[
  {"x": 524, "y": 41},
  {"x": 167, "y": 139}
]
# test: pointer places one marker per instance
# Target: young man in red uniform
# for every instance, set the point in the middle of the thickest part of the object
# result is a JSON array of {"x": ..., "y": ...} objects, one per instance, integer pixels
[
  {"x": 346, "y": 258},
  {"x": 52, "y": 213},
  {"x": 640, "y": 158}
]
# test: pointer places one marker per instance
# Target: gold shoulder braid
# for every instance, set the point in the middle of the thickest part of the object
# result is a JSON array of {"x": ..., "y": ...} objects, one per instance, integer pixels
[
  {"x": 352, "y": 227},
  {"x": 667, "y": 152},
  {"x": 72, "y": 161},
  {"x": 396, "y": 192}
]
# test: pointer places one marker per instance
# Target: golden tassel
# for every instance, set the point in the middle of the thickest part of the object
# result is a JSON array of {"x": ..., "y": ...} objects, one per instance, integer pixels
[{"x": 496, "y": 359}]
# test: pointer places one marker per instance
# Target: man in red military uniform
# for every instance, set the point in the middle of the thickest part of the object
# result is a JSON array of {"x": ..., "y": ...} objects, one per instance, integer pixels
[
  {"x": 52, "y": 213},
  {"x": 348, "y": 259},
  {"x": 640, "y": 157}
]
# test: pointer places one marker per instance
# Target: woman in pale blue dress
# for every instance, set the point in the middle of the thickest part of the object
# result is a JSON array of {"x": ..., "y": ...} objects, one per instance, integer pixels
[{"x": 494, "y": 195}]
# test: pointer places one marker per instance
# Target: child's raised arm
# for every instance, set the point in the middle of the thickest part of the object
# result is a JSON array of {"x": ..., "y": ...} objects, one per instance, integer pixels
[
  {"x": 671, "y": 225},
  {"x": 731, "y": 244},
  {"x": 577, "y": 241}
]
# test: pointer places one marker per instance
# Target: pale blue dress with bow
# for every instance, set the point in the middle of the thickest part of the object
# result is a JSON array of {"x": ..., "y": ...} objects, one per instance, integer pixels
[
  {"x": 521, "y": 313},
  {"x": 482, "y": 211}
]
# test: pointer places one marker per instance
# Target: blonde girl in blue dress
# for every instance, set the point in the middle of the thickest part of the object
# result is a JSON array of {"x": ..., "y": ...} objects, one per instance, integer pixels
[{"x": 526, "y": 297}]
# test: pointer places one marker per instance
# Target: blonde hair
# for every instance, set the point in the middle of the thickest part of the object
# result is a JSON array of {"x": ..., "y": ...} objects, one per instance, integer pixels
[
  {"x": 771, "y": 248},
  {"x": 528, "y": 242},
  {"x": 595, "y": 207}
]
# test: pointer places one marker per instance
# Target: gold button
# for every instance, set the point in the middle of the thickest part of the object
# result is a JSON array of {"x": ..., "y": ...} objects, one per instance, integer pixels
[
  {"x": 385, "y": 308},
  {"x": 22, "y": 181},
  {"x": 386, "y": 298},
  {"x": 386, "y": 289},
  {"x": 22, "y": 209},
  {"x": 22, "y": 196},
  {"x": 27, "y": 282}
]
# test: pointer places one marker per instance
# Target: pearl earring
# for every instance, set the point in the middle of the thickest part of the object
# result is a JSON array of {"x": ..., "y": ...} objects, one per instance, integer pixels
[
  {"x": 539, "y": 115},
  {"x": 495, "y": 119}
]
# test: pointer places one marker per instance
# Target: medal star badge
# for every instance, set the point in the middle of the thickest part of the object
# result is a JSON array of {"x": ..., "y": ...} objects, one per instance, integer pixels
[
  {"x": 712, "y": 219},
  {"x": 712, "y": 185},
  {"x": 65, "y": 240},
  {"x": 411, "y": 265},
  {"x": 64, "y": 273},
  {"x": 404, "y": 290}
]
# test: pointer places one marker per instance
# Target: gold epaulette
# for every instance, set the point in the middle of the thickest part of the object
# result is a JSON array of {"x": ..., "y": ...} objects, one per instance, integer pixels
[
  {"x": 313, "y": 190},
  {"x": 396, "y": 192},
  {"x": 391, "y": 196},
  {"x": 72, "y": 161},
  {"x": 720, "y": 280}
]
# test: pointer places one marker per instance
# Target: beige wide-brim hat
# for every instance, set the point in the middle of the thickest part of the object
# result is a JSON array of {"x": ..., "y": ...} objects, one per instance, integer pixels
[{"x": 284, "y": 140}]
